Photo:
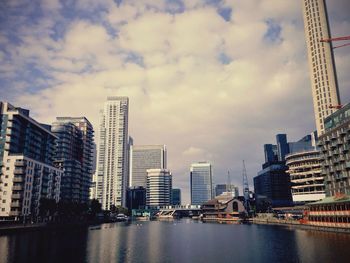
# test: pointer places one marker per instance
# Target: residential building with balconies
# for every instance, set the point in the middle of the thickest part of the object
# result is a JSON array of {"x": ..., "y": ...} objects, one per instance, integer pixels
[
  {"x": 335, "y": 149},
  {"x": 27, "y": 173}
]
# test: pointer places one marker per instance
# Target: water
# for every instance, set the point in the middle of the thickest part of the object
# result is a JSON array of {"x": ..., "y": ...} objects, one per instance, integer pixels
[{"x": 176, "y": 241}]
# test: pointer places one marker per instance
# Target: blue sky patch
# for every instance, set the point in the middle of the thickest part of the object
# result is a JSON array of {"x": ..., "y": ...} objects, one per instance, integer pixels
[{"x": 273, "y": 32}]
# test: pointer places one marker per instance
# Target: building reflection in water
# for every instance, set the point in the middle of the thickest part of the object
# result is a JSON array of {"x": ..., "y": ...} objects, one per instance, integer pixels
[{"x": 44, "y": 246}]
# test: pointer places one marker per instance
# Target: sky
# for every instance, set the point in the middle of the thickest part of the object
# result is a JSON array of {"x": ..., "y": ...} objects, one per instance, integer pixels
[{"x": 212, "y": 79}]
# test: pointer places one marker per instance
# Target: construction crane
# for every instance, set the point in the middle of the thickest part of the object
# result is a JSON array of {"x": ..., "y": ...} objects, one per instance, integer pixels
[
  {"x": 335, "y": 106},
  {"x": 245, "y": 188},
  {"x": 329, "y": 40}
]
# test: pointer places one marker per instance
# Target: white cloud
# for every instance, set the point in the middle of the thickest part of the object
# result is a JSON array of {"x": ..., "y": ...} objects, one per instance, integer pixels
[{"x": 180, "y": 93}]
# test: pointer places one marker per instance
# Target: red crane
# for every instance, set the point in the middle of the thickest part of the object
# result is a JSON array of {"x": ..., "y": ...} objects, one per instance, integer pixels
[
  {"x": 328, "y": 40},
  {"x": 335, "y": 106}
]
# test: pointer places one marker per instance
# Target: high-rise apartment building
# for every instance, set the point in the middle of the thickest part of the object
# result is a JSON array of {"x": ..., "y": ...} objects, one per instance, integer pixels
[
  {"x": 142, "y": 158},
  {"x": 159, "y": 185},
  {"x": 27, "y": 174},
  {"x": 74, "y": 153},
  {"x": 335, "y": 148},
  {"x": 112, "y": 165},
  {"x": 201, "y": 183},
  {"x": 321, "y": 61}
]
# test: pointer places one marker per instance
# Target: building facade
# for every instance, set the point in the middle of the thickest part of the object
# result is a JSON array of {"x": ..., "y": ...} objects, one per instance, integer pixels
[
  {"x": 335, "y": 145},
  {"x": 159, "y": 185},
  {"x": 307, "y": 181},
  {"x": 176, "y": 196},
  {"x": 142, "y": 158},
  {"x": 136, "y": 198},
  {"x": 74, "y": 154},
  {"x": 272, "y": 185},
  {"x": 323, "y": 76},
  {"x": 201, "y": 183},
  {"x": 226, "y": 188},
  {"x": 112, "y": 165},
  {"x": 27, "y": 174}
]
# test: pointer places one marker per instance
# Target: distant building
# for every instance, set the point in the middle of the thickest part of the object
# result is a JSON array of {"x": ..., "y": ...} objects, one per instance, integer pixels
[
  {"x": 74, "y": 154},
  {"x": 321, "y": 61},
  {"x": 176, "y": 197},
  {"x": 272, "y": 184},
  {"x": 201, "y": 183},
  {"x": 27, "y": 173},
  {"x": 226, "y": 188},
  {"x": 159, "y": 185},
  {"x": 335, "y": 145},
  {"x": 112, "y": 155},
  {"x": 142, "y": 158},
  {"x": 304, "y": 168},
  {"x": 136, "y": 198}
]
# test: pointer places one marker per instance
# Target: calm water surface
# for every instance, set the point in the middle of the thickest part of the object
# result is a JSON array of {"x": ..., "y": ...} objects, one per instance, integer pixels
[{"x": 176, "y": 241}]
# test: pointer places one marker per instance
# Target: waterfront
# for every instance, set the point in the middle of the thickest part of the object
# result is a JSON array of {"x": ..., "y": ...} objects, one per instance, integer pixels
[{"x": 175, "y": 241}]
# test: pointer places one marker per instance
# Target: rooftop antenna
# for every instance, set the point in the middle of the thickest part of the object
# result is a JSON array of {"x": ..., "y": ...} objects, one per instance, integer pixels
[
  {"x": 228, "y": 187},
  {"x": 245, "y": 188}
]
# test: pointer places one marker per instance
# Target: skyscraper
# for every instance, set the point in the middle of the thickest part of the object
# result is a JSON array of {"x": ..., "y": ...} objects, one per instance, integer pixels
[
  {"x": 323, "y": 76},
  {"x": 142, "y": 158},
  {"x": 74, "y": 152},
  {"x": 112, "y": 166},
  {"x": 159, "y": 185},
  {"x": 201, "y": 183}
]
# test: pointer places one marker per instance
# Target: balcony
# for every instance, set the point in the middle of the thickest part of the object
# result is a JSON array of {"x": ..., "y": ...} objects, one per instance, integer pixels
[
  {"x": 18, "y": 188},
  {"x": 21, "y": 163},
  {"x": 16, "y": 204},
  {"x": 17, "y": 196},
  {"x": 18, "y": 179},
  {"x": 15, "y": 213},
  {"x": 19, "y": 171}
]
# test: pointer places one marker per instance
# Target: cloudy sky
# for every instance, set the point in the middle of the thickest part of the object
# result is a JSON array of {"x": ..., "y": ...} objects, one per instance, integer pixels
[{"x": 213, "y": 80}]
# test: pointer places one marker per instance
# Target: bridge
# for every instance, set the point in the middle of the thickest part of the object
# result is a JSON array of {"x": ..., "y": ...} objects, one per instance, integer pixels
[{"x": 179, "y": 211}]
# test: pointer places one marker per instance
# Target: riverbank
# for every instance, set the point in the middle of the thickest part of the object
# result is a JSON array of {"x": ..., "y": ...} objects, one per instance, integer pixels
[{"x": 297, "y": 224}]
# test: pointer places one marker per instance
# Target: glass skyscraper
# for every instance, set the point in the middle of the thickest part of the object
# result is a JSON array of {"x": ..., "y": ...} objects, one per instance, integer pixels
[
  {"x": 201, "y": 183},
  {"x": 74, "y": 153},
  {"x": 142, "y": 158}
]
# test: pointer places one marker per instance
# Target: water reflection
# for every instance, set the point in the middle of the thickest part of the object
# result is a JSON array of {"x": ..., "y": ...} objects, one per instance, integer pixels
[{"x": 175, "y": 241}]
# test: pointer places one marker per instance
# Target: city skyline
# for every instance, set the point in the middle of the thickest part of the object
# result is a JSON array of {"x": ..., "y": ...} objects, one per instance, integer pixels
[{"x": 217, "y": 96}]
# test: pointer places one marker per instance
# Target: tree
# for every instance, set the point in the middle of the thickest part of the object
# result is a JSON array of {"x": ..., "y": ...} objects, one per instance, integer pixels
[{"x": 95, "y": 207}]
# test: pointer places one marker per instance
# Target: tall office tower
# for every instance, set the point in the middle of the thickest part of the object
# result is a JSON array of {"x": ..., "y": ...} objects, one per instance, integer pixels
[
  {"x": 112, "y": 177},
  {"x": 159, "y": 185},
  {"x": 142, "y": 158},
  {"x": 321, "y": 61},
  {"x": 74, "y": 153},
  {"x": 201, "y": 183},
  {"x": 27, "y": 174}
]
